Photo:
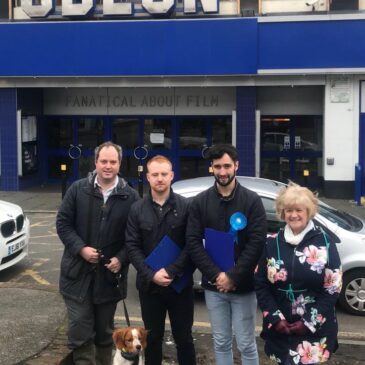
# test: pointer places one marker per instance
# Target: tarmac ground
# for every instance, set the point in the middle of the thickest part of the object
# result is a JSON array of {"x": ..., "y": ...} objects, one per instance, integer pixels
[{"x": 33, "y": 322}]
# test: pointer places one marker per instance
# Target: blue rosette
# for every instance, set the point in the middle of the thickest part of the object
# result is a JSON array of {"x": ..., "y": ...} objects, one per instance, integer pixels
[{"x": 238, "y": 222}]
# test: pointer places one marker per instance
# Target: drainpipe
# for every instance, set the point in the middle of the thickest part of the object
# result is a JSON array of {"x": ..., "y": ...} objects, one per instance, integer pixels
[
  {"x": 10, "y": 9},
  {"x": 328, "y": 5},
  {"x": 358, "y": 183}
]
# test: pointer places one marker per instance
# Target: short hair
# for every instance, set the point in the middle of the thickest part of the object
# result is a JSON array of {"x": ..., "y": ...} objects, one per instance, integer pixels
[
  {"x": 295, "y": 194},
  {"x": 109, "y": 144},
  {"x": 217, "y": 151},
  {"x": 160, "y": 159}
]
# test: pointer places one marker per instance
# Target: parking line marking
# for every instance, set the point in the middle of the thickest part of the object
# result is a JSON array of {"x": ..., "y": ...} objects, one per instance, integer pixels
[
  {"x": 44, "y": 236},
  {"x": 41, "y": 224},
  {"x": 40, "y": 262},
  {"x": 34, "y": 275}
]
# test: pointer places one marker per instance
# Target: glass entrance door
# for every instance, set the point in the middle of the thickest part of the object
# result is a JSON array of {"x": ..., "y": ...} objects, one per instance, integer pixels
[
  {"x": 181, "y": 139},
  {"x": 195, "y": 135},
  {"x": 154, "y": 134},
  {"x": 291, "y": 149},
  {"x": 71, "y": 141}
]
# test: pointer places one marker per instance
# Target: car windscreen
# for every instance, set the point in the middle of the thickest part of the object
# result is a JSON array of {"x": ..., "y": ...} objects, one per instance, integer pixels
[
  {"x": 340, "y": 218},
  {"x": 273, "y": 222}
]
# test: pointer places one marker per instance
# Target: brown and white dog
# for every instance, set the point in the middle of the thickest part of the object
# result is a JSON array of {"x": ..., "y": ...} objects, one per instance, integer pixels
[{"x": 130, "y": 343}]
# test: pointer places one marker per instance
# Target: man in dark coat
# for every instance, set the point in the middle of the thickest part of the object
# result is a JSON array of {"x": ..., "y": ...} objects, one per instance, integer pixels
[
  {"x": 229, "y": 293},
  {"x": 91, "y": 223},
  {"x": 162, "y": 213}
]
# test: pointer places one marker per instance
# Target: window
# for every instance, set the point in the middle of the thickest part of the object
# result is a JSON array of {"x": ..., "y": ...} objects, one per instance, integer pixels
[{"x": 273, "y": 222}]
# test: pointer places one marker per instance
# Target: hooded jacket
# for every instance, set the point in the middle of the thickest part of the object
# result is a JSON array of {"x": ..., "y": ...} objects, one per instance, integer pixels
[{"x": 84, "y": 220}]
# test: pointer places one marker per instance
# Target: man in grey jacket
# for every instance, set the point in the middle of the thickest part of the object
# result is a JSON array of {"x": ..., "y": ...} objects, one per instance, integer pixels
[{"x": 91, "y": 223}]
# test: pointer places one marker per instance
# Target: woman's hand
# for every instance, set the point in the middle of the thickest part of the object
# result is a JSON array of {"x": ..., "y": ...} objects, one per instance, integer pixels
[
  {"x": 298, "y": 328},
  {"x": 283, "y": 327}
]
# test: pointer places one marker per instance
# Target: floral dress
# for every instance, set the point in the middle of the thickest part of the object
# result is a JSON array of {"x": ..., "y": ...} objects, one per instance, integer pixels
[{"x": 299, "y": 283}]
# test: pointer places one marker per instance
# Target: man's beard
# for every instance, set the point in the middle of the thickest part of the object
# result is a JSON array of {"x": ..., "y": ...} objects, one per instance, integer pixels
[{"x": 226, "y": 183}]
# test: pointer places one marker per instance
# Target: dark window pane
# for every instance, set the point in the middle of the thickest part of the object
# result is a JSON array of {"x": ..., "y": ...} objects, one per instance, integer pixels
[
  {"x": 59, "y": 132},
  {"x": 129, "y": 168},
  {"x": 54, "y": 166},
  {"x": 275, "y": 168},
  {"x": 157, "y": 133},
  {"x": 86, "y": 164},
  {"x": 275, "y": 135},
  {"x": 125, "y": 132},
  {"x": 222, "y": 130},
  {"x": 91, "y": 132},
  {"x": 193, "y": 133},
  {"x": 193, "y": 167}
]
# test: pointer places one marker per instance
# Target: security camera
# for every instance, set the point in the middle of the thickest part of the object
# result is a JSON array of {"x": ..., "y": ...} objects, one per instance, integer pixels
[{"x": 311, "y": 2}]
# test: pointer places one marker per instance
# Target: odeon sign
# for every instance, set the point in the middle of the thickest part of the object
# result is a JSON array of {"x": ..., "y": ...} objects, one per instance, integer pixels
[{"x": 114, "y": 7}]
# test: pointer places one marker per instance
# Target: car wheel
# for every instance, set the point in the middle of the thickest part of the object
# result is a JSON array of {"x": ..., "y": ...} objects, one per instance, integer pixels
[{"x": 352, "y": 296}]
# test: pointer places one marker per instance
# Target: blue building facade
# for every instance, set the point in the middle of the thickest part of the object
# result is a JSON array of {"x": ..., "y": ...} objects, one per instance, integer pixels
[{"x": 286, "y": 90}]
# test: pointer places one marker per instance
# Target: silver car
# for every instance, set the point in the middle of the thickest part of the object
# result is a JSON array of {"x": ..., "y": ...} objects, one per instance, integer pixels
[{"x": 346, "y": 230}]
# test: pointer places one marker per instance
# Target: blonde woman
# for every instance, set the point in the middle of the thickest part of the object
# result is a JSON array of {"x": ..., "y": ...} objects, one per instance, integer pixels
[{"x": 297, "y": 283}]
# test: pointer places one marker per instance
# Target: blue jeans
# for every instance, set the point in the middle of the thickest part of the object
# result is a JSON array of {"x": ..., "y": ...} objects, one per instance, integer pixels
[{"x": 227, "y": 310}]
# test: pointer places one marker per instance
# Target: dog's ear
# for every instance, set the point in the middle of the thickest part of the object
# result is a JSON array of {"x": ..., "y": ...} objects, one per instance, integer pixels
[{"x": 119, "y": 335}]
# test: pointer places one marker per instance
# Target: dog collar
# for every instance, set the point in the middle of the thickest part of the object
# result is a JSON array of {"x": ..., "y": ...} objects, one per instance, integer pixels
[{"x": 130, "y": 356}]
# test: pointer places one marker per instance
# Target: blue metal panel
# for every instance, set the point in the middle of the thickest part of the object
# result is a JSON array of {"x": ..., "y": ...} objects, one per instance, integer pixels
[
  {"x": 246, "y": 129},
  {"x": 312, "y": 44},
  {"x": 108, "y": 48},
  {"x": 8, "y": 144}
]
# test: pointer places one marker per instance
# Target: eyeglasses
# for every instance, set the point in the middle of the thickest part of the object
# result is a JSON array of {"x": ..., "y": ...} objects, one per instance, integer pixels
[{"x": 225, "y": 166}]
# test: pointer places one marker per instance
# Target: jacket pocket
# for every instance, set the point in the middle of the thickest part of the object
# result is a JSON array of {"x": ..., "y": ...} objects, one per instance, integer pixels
[
  {"x": 177, "y": 233},
  {"x": 76, "y": 266},
  {"x": 146, "y": 232}
]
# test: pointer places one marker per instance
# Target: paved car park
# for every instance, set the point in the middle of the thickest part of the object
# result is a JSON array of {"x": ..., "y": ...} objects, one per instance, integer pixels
[{"x": 35, "y": 316}]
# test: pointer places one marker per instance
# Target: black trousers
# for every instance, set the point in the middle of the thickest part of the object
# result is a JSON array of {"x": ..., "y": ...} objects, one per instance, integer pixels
[
  {"x": 89, "y": 322},
  {"x": 180, "y": 308}
]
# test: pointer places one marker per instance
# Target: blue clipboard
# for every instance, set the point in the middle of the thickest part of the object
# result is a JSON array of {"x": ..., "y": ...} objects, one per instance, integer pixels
[
  {"x": 220, "y": 247},
  {"x": 164, "y": 254}
]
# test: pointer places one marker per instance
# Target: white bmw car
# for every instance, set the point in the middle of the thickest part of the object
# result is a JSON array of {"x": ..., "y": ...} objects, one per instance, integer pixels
[
  {"x": 346, "y": 230},
  {"x": 14, "y": 234}
]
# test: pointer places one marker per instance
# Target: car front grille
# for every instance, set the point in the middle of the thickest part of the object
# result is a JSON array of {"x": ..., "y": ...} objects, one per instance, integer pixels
[
  {"x": 7, "y": 228},
  {"x": 19, "y": 222}
]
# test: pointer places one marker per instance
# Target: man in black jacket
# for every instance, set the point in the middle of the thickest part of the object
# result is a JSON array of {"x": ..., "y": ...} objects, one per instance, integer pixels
[
  {"x": 162, "y": 213},
  {"x": 91, "y": 224},
  {"x": 229, "y": 295}
]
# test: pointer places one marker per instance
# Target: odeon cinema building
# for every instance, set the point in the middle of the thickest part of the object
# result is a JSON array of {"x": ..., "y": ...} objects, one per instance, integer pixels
[{"x": 281, "y": 80}]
